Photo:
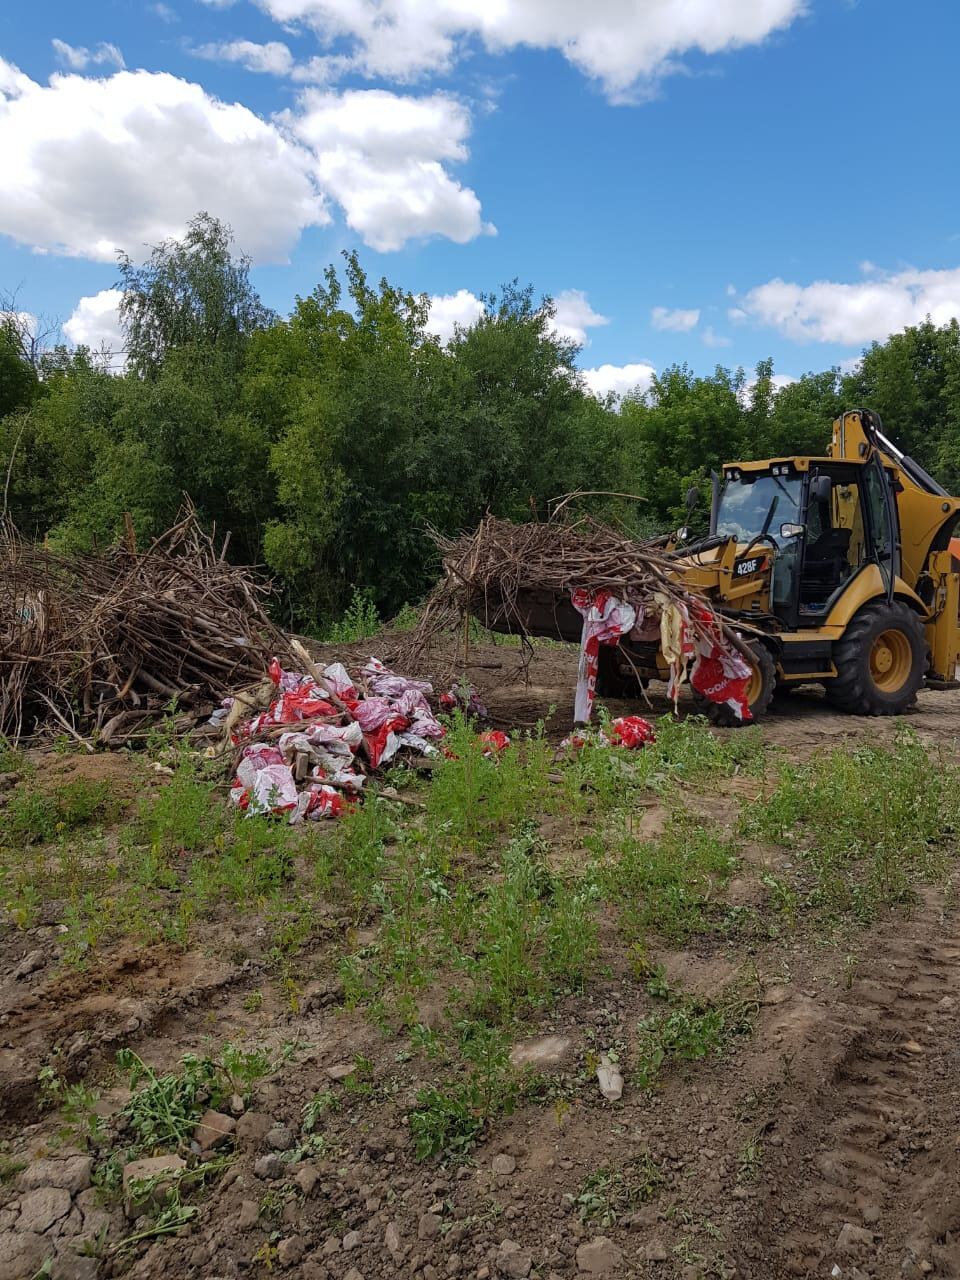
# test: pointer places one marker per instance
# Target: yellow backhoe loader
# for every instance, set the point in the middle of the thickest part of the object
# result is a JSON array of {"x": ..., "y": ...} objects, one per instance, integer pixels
[{"x": 835, "y": 569}]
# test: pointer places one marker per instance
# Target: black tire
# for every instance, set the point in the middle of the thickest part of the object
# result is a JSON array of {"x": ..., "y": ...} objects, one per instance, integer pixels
[
  {"x": 864, "y": 684},
  {"x": 725, "y": 717},
  {"x": 611, "y": 682}
]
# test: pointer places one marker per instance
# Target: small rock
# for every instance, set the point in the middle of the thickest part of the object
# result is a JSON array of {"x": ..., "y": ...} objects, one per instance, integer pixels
[
  {"x": 306, "y": 1179},
  {"x": 391, "y": 1240},
  {"x": 503, "y": 1165},
  {"x": 72, "y": 1174},
  {"x": 162, "y": 1169},
  {"x": 599, "y": 1257},
  {"x": 610, "y": 1079},
  {"x": 236, "y": 1105},
  {"x": 252, "y": 1128},
  {"x": 429, "y": 1226},
  {"x": 911, "y": 1046},
  {"x": 213, "y": 1129},
  {"x": 852, "y": 1239},
  {"x": 249, "y": 1215},
  {"x": 291, "y": 1250},
  {"x": 513, "y": 1261},
  {"x": 269, "y": 1168},
  {"x": 280, "y": 1139},
  {"x": 40, "y": 1209},
  {"x": 340, "y": 1070},
  {"x": 351, "y": 1241},
  {"x": 331, "y": 1246},
  {"x": 353, "y": 1274},
  {"x": 870, "y": 1213},
  {"x": 656, "y": 1251},
  {"x": 541, "y": 1052},
  {"x": 30, "y": 963}
]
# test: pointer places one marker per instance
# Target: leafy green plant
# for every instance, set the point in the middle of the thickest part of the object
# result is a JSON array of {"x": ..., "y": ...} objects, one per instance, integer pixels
[
  {"x": 165, "y": 1110},
  {"x": 449, "y": 1119},
  {"x": 606, "y": 1195},
  {"x": 80, "y": 1123},
  {"x": 360, "y": 620}
]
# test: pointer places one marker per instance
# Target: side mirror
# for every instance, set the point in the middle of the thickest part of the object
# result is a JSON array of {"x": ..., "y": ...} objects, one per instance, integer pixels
[
  {"x": 683, "y": 534},
  {"x": 692, "y": 498},
  {"x": 792, "y": 530}
]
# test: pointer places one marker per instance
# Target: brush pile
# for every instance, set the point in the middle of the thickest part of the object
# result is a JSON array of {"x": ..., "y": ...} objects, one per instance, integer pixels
[
  {"x": 100, "y": 644},
  {"x": 504, "y": 575}
]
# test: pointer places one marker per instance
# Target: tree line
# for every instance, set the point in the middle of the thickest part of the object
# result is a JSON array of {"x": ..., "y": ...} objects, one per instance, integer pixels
[{"x": 328, "y": 442}]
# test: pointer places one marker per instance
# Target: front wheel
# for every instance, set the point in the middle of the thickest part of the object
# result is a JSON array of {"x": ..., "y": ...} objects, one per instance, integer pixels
[
  {"x": 880, "y": 661},
  {"x": 758, "y": 693}
]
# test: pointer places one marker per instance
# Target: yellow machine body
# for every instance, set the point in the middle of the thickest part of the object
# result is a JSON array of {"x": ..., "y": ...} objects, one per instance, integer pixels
[{"x": 867, "y": 538}]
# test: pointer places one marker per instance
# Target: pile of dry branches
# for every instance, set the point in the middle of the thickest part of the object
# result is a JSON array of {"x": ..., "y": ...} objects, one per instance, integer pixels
[
  {"x": 502, "y": 574},
  {"x": 102, "y": 643}
]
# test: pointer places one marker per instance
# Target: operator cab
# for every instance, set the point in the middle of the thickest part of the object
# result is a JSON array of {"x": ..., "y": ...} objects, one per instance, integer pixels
[{"x": 824, "y": 522}]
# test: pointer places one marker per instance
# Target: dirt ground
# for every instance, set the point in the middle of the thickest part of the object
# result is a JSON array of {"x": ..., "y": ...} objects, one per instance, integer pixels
[{"x": 824, "y": 1144}]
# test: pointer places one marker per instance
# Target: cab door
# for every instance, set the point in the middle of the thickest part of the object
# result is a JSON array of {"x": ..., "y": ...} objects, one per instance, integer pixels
[{"x": 884, "y": 524}]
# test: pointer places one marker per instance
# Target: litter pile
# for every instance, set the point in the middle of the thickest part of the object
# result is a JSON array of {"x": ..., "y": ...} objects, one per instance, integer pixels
[
  {"x": 100, "y": 644},
  {"x": 533, "y": 579},
  {"x": 310, "y": 752}
]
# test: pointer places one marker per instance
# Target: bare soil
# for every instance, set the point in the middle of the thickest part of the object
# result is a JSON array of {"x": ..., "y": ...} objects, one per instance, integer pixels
[{"x": 824, "y": 1144}]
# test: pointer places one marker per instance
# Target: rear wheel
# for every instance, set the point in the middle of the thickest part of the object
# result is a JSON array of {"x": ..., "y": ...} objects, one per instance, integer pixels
[
  {"x": 758, "y": 693},
  {"x": 880, "y": 661}
]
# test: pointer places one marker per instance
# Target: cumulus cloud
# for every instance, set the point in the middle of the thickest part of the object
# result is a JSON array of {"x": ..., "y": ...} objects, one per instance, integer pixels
[
  {"x": 78, "y": 58},
  {"x": 95, "y": 323},
  {"x": 450, "y": 310},
  {"x": 627, "y": 45},
  {"x": 621, "y": 379},
  {"x": 272, "y": 58},
  {"x": 93, "y": 165},
  {"x": 381, "y": 156},
  {"x": 675, "y": 321},
  {"x": 575, "y": 316},
  {"x": 855, "y": 313}
]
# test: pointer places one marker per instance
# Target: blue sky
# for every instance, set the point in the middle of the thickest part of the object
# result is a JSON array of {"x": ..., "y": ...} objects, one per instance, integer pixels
[{"x": 712, "y": 182}]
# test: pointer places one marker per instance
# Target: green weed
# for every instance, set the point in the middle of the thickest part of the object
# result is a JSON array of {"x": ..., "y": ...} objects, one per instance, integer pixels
[
  {"x": 606, "y": 1195},
  {"x": 360, "y": 620},
  {"x": 669, "y": 884}
]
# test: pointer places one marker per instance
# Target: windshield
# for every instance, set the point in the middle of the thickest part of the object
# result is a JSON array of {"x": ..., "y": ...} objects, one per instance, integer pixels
[{"x": 750, "y": 507}]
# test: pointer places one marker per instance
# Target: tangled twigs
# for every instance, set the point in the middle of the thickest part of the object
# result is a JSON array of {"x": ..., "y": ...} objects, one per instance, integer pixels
[
  {"x": 84, "y": 638},
  {"x": 518, "y": 578}
]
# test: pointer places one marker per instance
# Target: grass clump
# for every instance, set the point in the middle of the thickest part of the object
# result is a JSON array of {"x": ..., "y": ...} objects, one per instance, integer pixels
[
  {"x": 669, "y": 884},
  {"x": 865, "y": 823},
  {"x": 35, "y": 816}
]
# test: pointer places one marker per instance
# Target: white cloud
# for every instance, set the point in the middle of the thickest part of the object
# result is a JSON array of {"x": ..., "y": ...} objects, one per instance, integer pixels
[
  {"x": 575, "y": 316},
  {"x": 79, "y": 58},
  {"x": 163, "y": 12},
  {"x": 380, "y": 155},
  {"x": 273, "y": 58},
  {"x": 95, "y": 323},
  {"x": 850, "y": 365},
  {"x": 675, "y": 321},
  {"x": 713, "y": 339},
  {"x": 621, "y": 379},
  {"x": 93, "y": 165},
  {"x": 448, "y": 310},
  {"x": 625, "y": 44},
  {"x": 856, "y": 313}
]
